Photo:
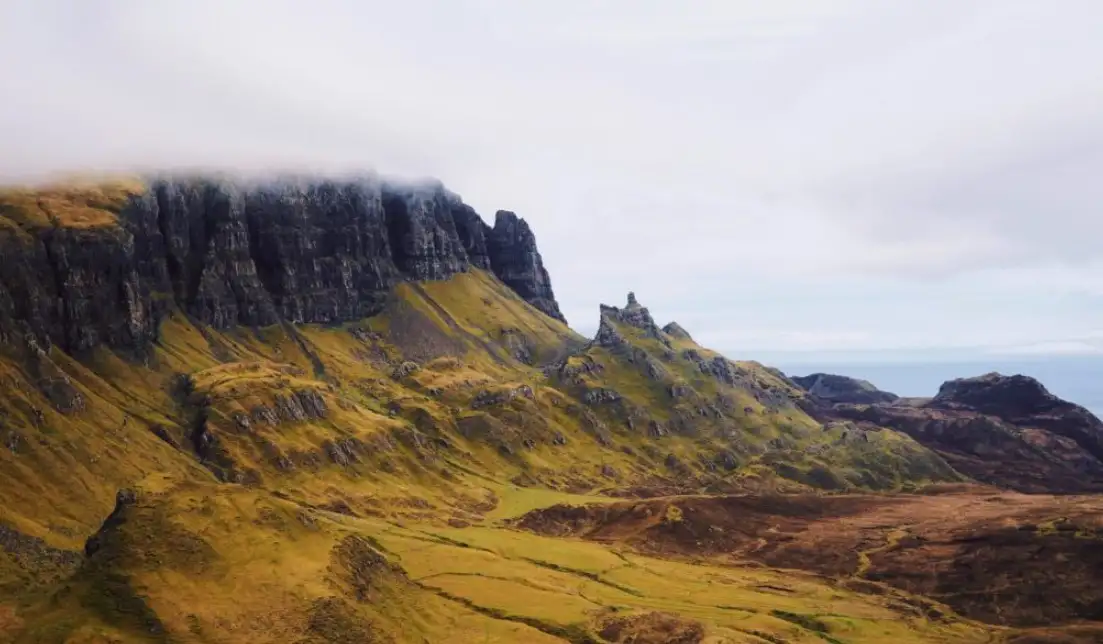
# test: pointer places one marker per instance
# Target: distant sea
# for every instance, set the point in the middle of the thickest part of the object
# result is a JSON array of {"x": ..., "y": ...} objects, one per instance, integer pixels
[{"x": 1076, "y": 379}]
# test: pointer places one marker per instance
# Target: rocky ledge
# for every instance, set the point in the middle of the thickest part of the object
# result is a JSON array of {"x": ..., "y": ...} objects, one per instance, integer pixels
[{"x": 83, "y": 269}]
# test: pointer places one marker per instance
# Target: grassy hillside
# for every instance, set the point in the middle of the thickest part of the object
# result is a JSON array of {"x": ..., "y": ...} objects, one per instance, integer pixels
[
  {"x": 185, "y": 561},
  {"x": 348, "y": 483},
  {"x": 727, "y": 425}
]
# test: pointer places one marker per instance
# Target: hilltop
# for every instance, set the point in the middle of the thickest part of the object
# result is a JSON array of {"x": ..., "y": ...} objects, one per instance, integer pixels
[{"x": 319, "y": 410}]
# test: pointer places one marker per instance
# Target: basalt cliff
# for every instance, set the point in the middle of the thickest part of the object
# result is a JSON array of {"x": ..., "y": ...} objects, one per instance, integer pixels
[{"x": 85, "y": 268}]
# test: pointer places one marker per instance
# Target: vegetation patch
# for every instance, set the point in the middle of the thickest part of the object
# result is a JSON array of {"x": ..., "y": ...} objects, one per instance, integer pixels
[
  {"x": 360, "y": 566},
  {"x": 804, "y": 621},
  {"x": 334, "y": 621},
  {"x": 652, "y": 628}
]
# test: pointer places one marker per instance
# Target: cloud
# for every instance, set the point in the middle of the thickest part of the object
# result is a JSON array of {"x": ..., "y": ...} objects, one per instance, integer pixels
[
  {"x": 1056, "y": 348},
  {"x": 742, "y": 165}
]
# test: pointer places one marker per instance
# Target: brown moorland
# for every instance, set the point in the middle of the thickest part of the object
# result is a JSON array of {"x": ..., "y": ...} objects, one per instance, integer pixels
[{"x": 992, "y": 555}]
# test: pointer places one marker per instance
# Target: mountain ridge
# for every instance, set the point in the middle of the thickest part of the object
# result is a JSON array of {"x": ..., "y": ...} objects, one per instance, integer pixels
[
  {"x": 90, "y": 266},
  {"x": 319, "y": 412}
]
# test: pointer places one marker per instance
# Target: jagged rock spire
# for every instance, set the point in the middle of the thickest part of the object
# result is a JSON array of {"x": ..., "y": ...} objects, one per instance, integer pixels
[{"x": 635, "y": 315}]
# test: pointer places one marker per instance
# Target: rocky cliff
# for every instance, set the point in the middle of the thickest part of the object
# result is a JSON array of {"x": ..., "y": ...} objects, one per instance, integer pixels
[{"x": 102, "y": 265}]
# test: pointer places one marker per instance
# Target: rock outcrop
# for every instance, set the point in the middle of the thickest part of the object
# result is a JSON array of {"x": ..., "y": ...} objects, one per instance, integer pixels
[
  {"x": 842, "y": 389},
  {"x": 83, "y": 272},
  {"x": 515, "y": 260},
  {"x": 634, "y": 315},
  {"x": 1023, "y": 401},
  {"x": 676, "y": 331},
  {"x": 1008, "y": 397}
]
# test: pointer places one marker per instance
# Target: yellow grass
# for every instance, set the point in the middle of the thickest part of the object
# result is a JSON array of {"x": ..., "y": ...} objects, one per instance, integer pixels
[{"x": 76, "y": 204}]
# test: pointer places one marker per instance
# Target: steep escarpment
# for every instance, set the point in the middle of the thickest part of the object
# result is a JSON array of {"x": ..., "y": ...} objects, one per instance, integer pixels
[
  {"x": 515, "y": 260},
  {"x": 91, "y": 266}
]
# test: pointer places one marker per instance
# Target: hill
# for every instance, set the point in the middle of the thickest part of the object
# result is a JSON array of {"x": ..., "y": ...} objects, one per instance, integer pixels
[
  {"x": 318, "y": 410},
  {"x": 1008, "y": 431}
]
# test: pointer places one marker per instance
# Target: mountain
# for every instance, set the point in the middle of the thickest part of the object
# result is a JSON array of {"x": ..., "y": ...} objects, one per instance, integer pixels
[{"x": 319, "y": 410}]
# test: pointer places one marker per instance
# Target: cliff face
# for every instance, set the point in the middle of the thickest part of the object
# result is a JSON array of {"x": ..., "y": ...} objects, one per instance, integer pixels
[
  {"x": 515, "y": 260},
  {"x": 84, "y": 271}
]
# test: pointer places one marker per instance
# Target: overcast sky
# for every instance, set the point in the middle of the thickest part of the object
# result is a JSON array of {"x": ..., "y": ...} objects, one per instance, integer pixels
[{"x": 920, "y": 177}]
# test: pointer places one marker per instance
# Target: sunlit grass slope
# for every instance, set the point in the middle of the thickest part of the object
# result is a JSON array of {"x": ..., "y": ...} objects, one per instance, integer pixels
[
  {"x": 206, "y": 562},
  {"x": 458, "y": 387},
  {"x": 224, "y": 563}
]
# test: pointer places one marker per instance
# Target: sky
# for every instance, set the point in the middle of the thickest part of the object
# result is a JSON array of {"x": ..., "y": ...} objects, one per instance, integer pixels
[{"x": 824, "y": 179}]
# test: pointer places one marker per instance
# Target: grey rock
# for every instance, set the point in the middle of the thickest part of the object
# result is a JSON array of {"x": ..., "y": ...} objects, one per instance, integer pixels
[
  {"x": 607, "y": 334},
  {"x": 680, "y": 390},
  {"x": 264, "y": 414},
  {"x": 567, "y": 371},
  {"x": 306, "y": 404},
  {"x": 517, "y": 344},
  {"x": 404, "y": 369},
  {"x": 655, "y": 429},
  {"x": 600, "y": 395},
  {"x": 517, "y": 262},
  {"x": 675, "y": 330},
  {"x": 842, "y": 389},
  {"x": 488, "y": 398}
]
